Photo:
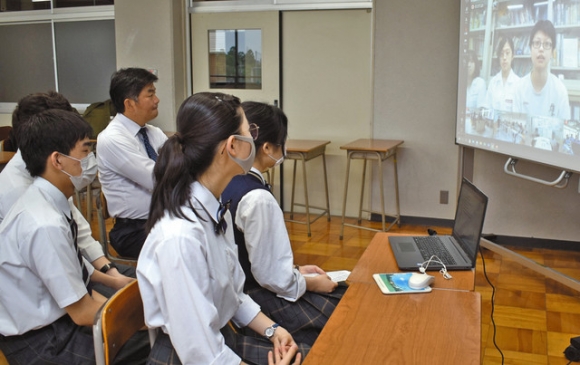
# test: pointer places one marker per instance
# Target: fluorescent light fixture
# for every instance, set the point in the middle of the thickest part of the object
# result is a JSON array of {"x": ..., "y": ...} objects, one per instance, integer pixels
[
  {"x": 541, "y": 3},
  {"x": 515, "y": 7},
  {"x": 39, "y": 1}
]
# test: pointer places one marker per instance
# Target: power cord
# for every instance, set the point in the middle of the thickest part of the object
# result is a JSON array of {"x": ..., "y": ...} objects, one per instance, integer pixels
[{"x": 492, "y": 303}]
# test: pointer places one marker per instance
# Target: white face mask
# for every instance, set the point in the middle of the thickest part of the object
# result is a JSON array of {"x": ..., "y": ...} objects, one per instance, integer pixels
[
  {"x": 279, "y": 160},
  {"x": 246, "y": 164},
  {"x": 88, "y": 171}
]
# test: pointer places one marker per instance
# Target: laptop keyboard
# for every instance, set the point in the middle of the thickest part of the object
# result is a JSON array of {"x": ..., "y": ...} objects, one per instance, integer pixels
[{"x": 431, "y": 245}]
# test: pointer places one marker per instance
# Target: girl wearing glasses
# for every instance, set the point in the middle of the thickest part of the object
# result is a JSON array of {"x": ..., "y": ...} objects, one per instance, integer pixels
[
  {"x": 541, "y": 93},
  {"x": 500, "y": 93},
  {"x": 189, "y": 276},
  {"x": 299, "y": 302}
]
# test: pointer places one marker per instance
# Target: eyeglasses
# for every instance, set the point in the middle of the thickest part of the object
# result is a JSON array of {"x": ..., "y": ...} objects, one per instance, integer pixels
[
  {"x": 254, "y": 131},
  {"x": 537, "y": 44}
]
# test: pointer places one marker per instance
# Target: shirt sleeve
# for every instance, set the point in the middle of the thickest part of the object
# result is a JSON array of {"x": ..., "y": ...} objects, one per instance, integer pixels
[
  {"x": 90, "y": 248},
  {"x": 191, "y": 316},
  {"x": 260, "y": 218},
  {"x": 121, "y": 154}
]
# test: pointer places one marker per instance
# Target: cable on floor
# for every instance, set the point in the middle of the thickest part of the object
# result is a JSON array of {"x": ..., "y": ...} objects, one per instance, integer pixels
[{"x": 492, "y": 303}]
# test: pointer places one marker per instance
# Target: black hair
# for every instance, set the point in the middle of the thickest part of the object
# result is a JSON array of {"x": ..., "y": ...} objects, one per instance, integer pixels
[
  {"x": 271, "y": 120},
  {"x": 472, "y": 57},
  {"x": 501, "y": 44},
  {"x": 50, "y": 131},
  {"x": 32, "y": 104},
  {"x": 127, "y": 83},
  {"x": 546, "y": 27},
  {"x": 204, "y": 120}
]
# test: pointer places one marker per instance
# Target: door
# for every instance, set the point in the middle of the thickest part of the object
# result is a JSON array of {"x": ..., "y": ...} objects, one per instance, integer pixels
[{"x": 250, "y": 71}]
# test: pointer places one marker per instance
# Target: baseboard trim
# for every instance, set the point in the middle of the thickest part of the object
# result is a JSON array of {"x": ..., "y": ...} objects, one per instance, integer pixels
[
  {"x": 502, "y": 240},
  {"x": 418, "y": 221}
]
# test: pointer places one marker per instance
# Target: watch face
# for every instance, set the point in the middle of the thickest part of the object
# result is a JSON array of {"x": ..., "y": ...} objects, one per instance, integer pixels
[{"x": 269, "y": 332}]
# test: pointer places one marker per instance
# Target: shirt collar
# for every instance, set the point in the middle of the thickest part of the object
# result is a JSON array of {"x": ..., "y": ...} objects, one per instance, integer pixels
[
  {"x": 206, "y": 199},
  {"x": 53, "y": 192},
  {"x": 131, "y": 126},
  {"x": 255, "y": 172}
]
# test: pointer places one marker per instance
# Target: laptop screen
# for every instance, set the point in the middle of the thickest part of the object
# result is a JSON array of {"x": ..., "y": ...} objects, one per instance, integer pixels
[{"x": 469, "y": 217}]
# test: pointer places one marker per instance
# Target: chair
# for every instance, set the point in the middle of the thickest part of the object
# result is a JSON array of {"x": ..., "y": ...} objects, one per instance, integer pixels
[
  {"x": 4, "y": 138},
  {"x": 3, "y": 360},
  {"x": 102, "y": 216},
  {"x": 116, "y": 321}
]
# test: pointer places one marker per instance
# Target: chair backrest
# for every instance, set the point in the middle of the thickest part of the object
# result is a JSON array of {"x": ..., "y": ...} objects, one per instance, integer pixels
[
  {"x": 118, "y": 320},
  {"x": 102, "y": 216}
]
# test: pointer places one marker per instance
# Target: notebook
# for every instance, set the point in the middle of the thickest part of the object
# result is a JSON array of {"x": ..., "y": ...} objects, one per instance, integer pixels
[{"x": 461, "y": 245}]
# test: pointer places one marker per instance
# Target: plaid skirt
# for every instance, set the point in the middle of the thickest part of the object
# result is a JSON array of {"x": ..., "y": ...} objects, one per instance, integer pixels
[
  {"x": 253, "y": 350},
  {"x": 304, "y": 318}
]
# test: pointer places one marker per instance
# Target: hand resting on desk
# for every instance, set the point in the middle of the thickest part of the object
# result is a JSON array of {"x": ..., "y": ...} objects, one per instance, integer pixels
[{"x": 316, "y": 279}]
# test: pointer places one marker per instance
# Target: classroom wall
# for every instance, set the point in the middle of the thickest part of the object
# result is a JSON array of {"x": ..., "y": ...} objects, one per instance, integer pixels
[
  {"x": 416, "y": 58},
  {"x": 151, "y": 34}
]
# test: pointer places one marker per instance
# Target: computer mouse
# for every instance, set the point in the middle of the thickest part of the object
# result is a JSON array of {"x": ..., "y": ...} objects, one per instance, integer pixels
[{"x": 420, "y": 281}]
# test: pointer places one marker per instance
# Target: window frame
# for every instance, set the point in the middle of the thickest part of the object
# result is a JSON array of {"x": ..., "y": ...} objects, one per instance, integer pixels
[{"x": 52, "y": 16}]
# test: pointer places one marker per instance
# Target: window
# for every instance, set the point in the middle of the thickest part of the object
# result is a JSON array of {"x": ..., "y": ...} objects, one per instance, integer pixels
[
  {"x": 68, "y": 50},
  {"x": 235, "y": 59}
]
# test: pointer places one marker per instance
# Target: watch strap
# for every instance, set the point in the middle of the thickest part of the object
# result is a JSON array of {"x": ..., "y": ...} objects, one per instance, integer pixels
[{"x": 107, "y": 267}]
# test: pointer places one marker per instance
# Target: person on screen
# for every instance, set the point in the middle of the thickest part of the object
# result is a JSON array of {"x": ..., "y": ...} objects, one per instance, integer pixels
[
  {"x": 541, "y": 93},
  {"x": 475, "y": 96},
  {"x": 287, "y": 293},
  {"x": 500, "y": 92},
  {"x": 190, "y": 279}
]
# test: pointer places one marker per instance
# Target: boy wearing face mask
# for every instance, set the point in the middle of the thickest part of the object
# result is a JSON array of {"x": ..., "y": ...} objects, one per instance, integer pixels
[
  {"x": 15, "y": 179},
  {"x": 47, "y": 304}
]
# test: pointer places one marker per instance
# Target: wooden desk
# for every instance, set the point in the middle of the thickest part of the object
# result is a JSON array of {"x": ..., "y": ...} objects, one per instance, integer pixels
[
  {"x": 305, "y": 150},
  {"x": 6, "y": 156},
  {"x": 368, "y": 327},
  {"x": 372, "y": 149},
  {"x": 379, "y": 258}
]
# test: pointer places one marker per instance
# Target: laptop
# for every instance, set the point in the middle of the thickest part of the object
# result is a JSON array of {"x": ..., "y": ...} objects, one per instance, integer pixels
[{"x": 462, "y": 245}]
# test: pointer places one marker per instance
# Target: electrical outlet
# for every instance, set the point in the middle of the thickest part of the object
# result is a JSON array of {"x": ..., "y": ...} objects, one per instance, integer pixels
[{"x": 444, "y": 197}]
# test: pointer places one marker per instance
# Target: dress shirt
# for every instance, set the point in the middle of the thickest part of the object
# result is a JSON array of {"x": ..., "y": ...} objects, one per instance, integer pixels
[
  {"x": 192, "y": 284},
  {"x": 125, "y": 169},
  {"x": 260, "y": 218},
  {"x": 39, "y": 267},
  {"x": 551, "y": 101},
  {"x": 500, "y": 95},
  {"x": 15, "y": 179},
  {"x": 475, "y": 97}
]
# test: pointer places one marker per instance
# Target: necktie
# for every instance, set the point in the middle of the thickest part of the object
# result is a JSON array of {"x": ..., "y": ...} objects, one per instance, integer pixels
[
  {"x": 221, "y": 225},
  {"x": 150, "y": 150},
  {"x": 74, "y": 229}
]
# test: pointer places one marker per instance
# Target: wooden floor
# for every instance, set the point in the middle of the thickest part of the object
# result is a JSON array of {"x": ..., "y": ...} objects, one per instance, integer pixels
[{"x": 535, "y": 317}]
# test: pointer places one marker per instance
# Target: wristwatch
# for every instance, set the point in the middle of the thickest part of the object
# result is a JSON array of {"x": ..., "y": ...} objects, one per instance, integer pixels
[
  {"x": 107, "y": 267},
  {"x": 269, "y": 332}
]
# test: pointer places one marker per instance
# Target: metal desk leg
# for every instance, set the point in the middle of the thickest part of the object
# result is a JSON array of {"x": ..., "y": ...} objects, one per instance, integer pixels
[
  {"x": 344, "y": 196},
  {"x": 326, "y": 187},
  {"x": 293, "y": 188},
  {"x": 306, "y": 203}
]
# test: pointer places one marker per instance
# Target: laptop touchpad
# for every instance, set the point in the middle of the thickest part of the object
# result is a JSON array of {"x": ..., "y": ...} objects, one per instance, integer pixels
[{"x": 406, "y": 246}]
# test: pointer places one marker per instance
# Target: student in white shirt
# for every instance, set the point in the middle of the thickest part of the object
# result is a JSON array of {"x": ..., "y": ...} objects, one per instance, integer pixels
[
  {"x": 125, "y": 163},
  {"x": 541, "y": 93},
  {"x": 500, "y": 92},
  {"x": 302, "y": 304},
  {"x": 189, "y": 276},
  {"x": 475, "y": 96},
  {"x": 47, "y": 305},
  {"x": 15, "y": 179}
]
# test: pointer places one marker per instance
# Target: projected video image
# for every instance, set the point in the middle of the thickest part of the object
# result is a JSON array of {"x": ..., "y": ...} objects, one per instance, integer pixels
[{"x": 519, "y": 79}]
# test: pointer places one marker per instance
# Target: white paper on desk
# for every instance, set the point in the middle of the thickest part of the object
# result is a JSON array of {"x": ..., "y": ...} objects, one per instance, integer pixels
[{"x": 336, "y": 276}]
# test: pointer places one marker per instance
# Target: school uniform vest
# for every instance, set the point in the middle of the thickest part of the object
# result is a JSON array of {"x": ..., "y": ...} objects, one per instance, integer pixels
[{"x": 236, "y": 190}]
